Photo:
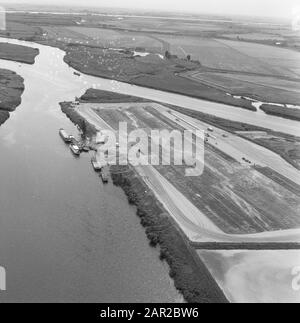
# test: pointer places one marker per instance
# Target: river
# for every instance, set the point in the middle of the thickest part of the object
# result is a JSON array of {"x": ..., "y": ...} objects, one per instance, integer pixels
[{"x": 64, "y": 237}]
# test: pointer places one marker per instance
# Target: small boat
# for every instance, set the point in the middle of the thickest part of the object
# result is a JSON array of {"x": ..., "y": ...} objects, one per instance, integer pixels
[
  {"x": 75, "y": 150},
  {"x": 77, "y": 74},
  {"x": 104, "y": 174},
  {"x": 66, "y": 138},
  {"x": 96, "y": 165},
  {"x": 104, "y": 178}
]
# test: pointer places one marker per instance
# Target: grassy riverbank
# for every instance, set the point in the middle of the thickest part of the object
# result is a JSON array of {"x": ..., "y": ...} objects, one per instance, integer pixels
[
  {"x": 69, "y": 111},
  {"x": 11, "y": 89},
  {"x": 287, "y": 113},
  {"x": 17, "y": 53},
  {"x": 99, "y": 96}
]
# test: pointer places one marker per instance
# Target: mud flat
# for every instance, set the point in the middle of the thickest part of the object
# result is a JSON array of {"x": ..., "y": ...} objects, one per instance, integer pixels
[
  {"x": 255, "y": 276},
  {"x": 11, "y": 89},
  {"x": 18, "y": 53}
]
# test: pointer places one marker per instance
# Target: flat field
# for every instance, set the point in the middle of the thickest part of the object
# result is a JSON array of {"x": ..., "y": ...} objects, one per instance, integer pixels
[
  {"x": 238, "y": 199},
  {"x": 262, "y": 88},
  {"x": 255, "y": 276}
]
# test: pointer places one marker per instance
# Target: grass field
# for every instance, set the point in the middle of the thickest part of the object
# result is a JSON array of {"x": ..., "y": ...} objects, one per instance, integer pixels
[
  {"x": 234, "y": 55},
  {"x": 18, "y": 53},
  {"x": 283, "y": 61},
  {"x": 120, "y": 39},
  {"x": 261, "y": 88},
  {"x": 20, "y": 31}
]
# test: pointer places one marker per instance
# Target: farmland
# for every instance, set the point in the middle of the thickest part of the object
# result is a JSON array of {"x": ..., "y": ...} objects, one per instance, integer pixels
[
  {"x": 258, "y": 68},
  {"x": 261, "y": 88}
]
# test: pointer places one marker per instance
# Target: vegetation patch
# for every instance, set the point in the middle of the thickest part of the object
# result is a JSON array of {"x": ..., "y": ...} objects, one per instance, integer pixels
[
  {"x": 88, "y": 129},
  {"x": 99, "y": 96},
  {"x": 11, "y": 89},
  {"x": 18, "y": 53},
  {"x": 287, "y": 113}
]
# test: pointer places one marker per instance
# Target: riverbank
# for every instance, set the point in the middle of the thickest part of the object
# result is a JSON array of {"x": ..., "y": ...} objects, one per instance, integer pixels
[
  {"x": 18, "y": 53},
  {"x": 11, "y": 90},
  {"x": 287, "y": 113},
  {"x": 100, "y": 96}
]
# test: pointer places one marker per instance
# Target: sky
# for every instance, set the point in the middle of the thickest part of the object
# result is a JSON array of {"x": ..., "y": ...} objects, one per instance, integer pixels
[{"x": 272, "y": 8}]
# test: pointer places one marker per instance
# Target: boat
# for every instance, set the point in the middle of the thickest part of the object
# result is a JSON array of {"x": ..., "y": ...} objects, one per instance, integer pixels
[
  {"x": 77, "y": 74},
  {"x": 96, "y": 165},
  {"x": 75, "y": 150},
  {"x": 66, "y": 138},
  {"x": 105, "y": 174},
  {"x": 104, "y": 178}
]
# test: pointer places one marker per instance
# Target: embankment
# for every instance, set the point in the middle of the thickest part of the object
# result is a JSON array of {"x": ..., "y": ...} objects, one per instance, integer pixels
[
  {"x": 287, "y": 113},
  {"x": 99, "y": 96},
  {"x": 77, "y": 119},
  {"x": 246, "y": 246}
]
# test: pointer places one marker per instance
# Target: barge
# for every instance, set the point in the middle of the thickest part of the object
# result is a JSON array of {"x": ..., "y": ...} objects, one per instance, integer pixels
[
  {"x": 96, "y": 165},
  {"x": 105, "y": 174},
  {"x": 75, "y": 150},
  {"x": 66, "y": 138}
]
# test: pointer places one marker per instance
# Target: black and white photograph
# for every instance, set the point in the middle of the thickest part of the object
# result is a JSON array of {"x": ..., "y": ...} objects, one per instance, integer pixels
[{"x": 149, "y": 154}]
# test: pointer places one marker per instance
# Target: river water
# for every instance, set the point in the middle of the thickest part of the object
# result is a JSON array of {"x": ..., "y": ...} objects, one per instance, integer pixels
[{"x": 63, "y": 235}]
